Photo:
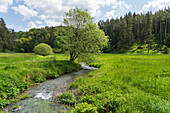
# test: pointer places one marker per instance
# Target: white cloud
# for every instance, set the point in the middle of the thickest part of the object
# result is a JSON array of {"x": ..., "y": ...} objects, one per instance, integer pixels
[
  {"x": 52, "y": 11},
  {"x": 106, "y": 2},
  {"x": 122, "y": 5},
  {"x": 25, "y": 11},
  {"x": 110, "y": 14},
  {"x": 4, "y": 5},
  {"x": 31, "y": 24},
  {"x": 38, "y": 22},
  {"x": 155, "y": 5}
]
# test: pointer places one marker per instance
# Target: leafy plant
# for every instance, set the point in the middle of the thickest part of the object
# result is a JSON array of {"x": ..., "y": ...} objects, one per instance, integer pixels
[
  {"x": 127, "y": 83},
  {"x": 67, "y": 98},
  {"x": 85, "y": 108}
]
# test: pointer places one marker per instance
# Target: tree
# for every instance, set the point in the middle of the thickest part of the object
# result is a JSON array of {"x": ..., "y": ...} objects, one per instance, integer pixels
[
  {"x": 123, "y": 41},
  {"x": 3, "y": 35},
  {"x": 148, "y": 31},
  {"x": 7, "y": 37},
  {"x": 84, "y": 35}
]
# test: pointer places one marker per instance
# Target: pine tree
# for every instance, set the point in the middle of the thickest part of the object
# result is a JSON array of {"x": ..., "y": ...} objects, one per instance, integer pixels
[
  {"x": 4, "y": 35},
  {"x": 123, "y": 37},
  {"x": 130, "y": 35},
  {"x": 148, "y": 30}
]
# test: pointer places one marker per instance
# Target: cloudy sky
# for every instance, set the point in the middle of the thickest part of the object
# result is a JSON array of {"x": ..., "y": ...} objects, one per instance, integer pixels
[{"x": 22, "y": 15}]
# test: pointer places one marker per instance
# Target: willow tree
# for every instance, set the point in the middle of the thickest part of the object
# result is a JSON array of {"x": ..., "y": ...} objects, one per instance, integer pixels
[{"x": 84, "y": 35}]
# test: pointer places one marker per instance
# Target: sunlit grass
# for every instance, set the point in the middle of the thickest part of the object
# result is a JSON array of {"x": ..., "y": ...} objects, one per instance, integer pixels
[{"x": 128, "y": 83}]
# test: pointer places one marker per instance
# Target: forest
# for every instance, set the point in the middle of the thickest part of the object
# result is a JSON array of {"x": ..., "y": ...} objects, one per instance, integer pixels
[{"x": 141, "y": 33}]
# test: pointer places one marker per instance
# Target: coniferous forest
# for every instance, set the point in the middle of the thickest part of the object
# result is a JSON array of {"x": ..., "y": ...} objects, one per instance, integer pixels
[
  {"x": 153, "y": 30},
  {"x": 126, "y": 34}
]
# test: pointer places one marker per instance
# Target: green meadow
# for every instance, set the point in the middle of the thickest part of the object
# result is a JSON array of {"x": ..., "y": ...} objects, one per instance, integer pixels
[
  {"x": 125, "y": 84},
  {"x": 122, "y": 83},
  {"x": 19, "y": 70}
]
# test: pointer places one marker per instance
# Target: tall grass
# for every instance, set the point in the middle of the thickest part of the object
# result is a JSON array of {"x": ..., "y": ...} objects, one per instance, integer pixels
[{"x": 127, "y": 83}]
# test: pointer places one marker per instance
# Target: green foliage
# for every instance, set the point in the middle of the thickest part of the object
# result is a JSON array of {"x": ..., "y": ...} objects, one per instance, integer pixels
[
  {"x": 51, "y": 74},
  {"x": 61, "y": 43},
  {"x": 127, "y": 83},
  {"x": 143, "y": 49},
  {"x": 28, "y": 40},
  {"x": 18, "y": 71},
  {"x": 7, "y": 37},
  {"x": 16, "y": 107},
  {"x": 96, "y": 65},
  {"x": 43, "y": 49},
  {"x": 38, "y": 78},
  {"x": 57, "y": 50},
  {"x": 85, "y": 108},
  {"x": 23, "y": 96},
  {"x": 84, "y": 36},
  {"x": 164, "y": 49},
  {"x": 73, "y": 85},
  {"x": 67, "y": 98}
]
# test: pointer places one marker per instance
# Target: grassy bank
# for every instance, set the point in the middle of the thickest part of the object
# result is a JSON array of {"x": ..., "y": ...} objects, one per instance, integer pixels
[
  {"x": 126, "y": 83},
  {"x": 18, "y": 71}
]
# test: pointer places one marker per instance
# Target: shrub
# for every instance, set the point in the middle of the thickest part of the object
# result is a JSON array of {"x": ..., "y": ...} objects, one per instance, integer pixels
[{"x": 43, "y": 49}]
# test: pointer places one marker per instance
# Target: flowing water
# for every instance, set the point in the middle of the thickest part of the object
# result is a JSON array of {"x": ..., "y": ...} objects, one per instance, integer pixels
[{"x": 41, "y": 100}]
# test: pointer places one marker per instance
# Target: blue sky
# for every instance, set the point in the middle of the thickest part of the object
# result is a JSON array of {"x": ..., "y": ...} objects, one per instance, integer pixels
[{"x": 22, "y": 15}]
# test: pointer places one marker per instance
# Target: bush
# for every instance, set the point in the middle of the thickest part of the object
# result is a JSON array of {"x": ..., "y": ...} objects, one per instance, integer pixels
[{"x": 43, "y": 49}]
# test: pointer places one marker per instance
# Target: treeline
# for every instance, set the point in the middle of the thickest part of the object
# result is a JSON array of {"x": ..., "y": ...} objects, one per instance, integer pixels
[
  {"x": 28, "y": 40},
  {"x": 11, "y": 41},
  {"x": 151, "y": 30}
]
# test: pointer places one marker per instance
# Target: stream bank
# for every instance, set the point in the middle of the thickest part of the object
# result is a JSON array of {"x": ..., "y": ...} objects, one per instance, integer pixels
[{"x": 42, "y": 95}]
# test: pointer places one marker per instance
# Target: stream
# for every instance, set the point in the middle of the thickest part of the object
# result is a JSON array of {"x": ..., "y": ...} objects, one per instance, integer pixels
[{"x": 41, "y": 100}]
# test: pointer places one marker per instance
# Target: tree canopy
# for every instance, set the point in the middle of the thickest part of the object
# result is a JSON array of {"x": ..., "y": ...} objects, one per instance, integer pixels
[{"x": 84, "y": 36}]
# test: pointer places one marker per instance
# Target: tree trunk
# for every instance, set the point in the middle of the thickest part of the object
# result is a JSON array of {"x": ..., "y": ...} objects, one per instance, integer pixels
[
  {"x": 3, "y": 48},
  {"x": 156, "y": 27},
  {"x": 166, "y": 29},
  {"x": 71, "y": 56},
  {"x": 148, "y": 47},
  {"x": 160, "y": 34},
  {"x": 148, "y": 50}
]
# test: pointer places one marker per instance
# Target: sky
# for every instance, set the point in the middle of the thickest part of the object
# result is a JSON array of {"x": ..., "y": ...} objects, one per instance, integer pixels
[{"x": 22, "y": 15}]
